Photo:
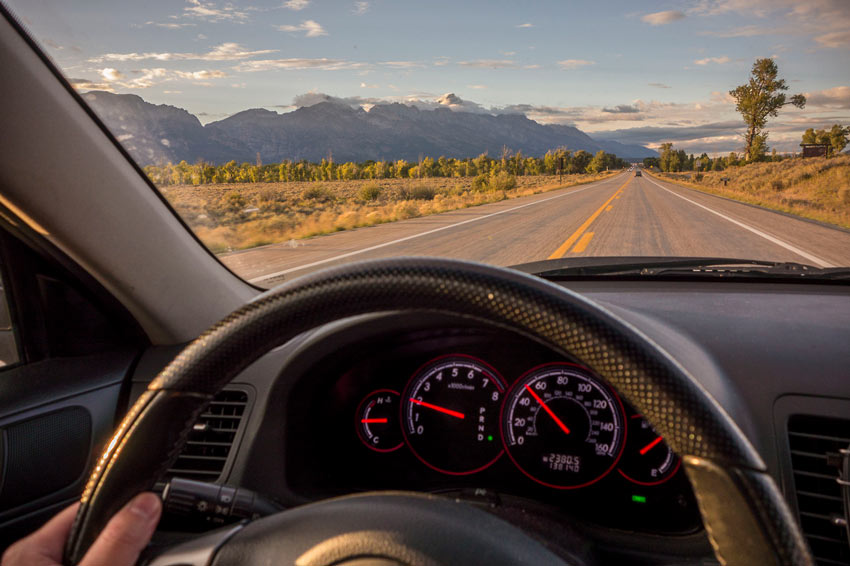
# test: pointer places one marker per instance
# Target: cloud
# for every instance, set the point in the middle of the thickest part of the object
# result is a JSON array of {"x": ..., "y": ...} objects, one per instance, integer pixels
[
  {"x": 525, "y": 26},
  {"x": 707, "y": 60},
  {"x": 207, "y": 11},
  {"x": 837, "y": 97},
  {"x": 296, "y": 5},
  {"x": 834, "y": 39},
  {"x": 169, "y": 25},
  {"x": 659, "y": 85},
  {"x": 322, "y": 64},
  {"x": 223, "y": 52},
  {"x": 477, "y": 87},
  {"x": 360, "y": 8},
  {"x": 826, "y": 21},
  {"x": 364, "y": 85},
  {"x": 622, "y": 109},
  {"x": 744, "y": 31},
  {"x": 663, "y": 18},
  {"x": 654, "y": 135},
  {"x": 200, "y": 75},
  {"x": 310, "y": 27},
  {"x": 489, "y": 64},
  {"x": 86, "y": 84},
  {"x": 574, "y": 63},
  {"x": 109, "y": 74},
  {"x": 402, "y": 64}
]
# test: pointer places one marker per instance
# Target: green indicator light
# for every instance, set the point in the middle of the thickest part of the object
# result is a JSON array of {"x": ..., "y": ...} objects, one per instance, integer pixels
[
  {"x": 490, "y": 437},
  {"x": 639, "y": 498}
]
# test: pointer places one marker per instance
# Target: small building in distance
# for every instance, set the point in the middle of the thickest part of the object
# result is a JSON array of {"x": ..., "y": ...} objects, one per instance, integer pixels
[{"x": 815, "y": 149}]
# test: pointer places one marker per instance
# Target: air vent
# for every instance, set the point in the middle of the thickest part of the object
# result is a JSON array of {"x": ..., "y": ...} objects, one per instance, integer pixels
[
  {"x": 206, "y": 452},
  {"x": 818, "y": 495}
]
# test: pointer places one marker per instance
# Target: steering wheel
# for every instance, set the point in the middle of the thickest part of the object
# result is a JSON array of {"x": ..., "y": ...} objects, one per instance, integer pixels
[{"x": 745, "y": 516}]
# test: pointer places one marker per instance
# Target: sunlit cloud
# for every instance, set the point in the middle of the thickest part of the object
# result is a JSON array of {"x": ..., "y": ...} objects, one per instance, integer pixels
[
  {"x": 297, "y": 64},
  {"x": 716, "y": 60},
  {"x": 86, "y": 84},
  {"x": 402, "y": 64},
  {"x": 311, "y": 28},
  {"x": 837, "y": 97},
  {"x": 663, "y": 18},
  {"x": 223, "y": 52},
  {"x": 525, "y": 26},
  {"x": 209, "y": 12},
  {"x": 296, "y": 5},
  {"x": 575, "y": 63},
  {"x": 360, "y": 8},
  {"x": 489, "y": 64},
  {"x": 109, "y": 74}
]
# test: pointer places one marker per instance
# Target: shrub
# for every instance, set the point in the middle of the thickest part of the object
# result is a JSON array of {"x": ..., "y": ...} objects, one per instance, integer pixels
[
  {"x": 419, "y": 192},
  {"x": 502, "y": 182},
  {"x": 370, "y": 192},
  {"x": 844, "y": 196},
  {"x": 480, "y": 183},
  {"x": 317, "y": 192},
  {"x": 777, "y": 185},
  {"x": 698, "y": 177}
]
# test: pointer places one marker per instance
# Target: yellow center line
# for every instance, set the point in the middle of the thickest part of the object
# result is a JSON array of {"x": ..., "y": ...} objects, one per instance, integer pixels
[
  {"x": 582, "y": 243},
  {"x": 562, "y": 249}
]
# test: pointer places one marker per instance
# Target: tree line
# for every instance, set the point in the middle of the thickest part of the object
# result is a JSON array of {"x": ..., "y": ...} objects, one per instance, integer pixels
[{"x": 554, "y": 162}]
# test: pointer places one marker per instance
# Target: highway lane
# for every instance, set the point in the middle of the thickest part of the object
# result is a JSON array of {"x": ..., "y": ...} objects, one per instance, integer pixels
[{"x": 619, "y": 216}]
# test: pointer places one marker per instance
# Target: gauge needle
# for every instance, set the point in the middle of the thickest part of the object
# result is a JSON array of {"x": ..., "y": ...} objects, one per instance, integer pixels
[
  {"x": 558, "y": 421},
  {"x": 650, "y": 446},
  {"x": 437, "y": 408},
  {"x": 373, "y": 420}
]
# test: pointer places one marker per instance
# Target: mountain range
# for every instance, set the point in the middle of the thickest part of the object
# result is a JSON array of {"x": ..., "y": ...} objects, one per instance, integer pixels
[{"x": 160, "y": 133}]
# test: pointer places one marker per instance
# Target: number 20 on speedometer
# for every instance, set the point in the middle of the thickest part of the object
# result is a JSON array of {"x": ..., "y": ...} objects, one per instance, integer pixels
[{"x": 562, "y": 426}]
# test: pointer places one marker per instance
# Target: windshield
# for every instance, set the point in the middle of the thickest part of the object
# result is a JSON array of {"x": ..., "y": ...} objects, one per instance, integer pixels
[{"x": 294, "y": 135}]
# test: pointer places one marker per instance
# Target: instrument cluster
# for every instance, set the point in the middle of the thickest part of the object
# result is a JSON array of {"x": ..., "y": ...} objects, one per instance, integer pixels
[{"x": 464, "y": 411}]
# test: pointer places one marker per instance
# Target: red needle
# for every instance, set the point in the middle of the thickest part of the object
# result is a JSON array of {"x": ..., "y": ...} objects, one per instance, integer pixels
[
  {"x": 558, "y": 421},
  {"x": 373, "y": 420},
  {"x": 437, "y": 408},
  {"x": 650, "y": 446}
]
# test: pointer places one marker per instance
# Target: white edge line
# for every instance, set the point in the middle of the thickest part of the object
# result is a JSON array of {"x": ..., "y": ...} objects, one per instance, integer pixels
[
  {"x": 757, "y": 232},
  {"x": 411, "y": 237}
]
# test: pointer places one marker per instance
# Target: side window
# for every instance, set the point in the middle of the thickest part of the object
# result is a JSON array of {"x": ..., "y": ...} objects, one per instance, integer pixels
[{"x": 8, "y": 345}]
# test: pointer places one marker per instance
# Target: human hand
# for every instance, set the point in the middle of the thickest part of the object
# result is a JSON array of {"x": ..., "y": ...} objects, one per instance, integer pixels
[{"x": 119, "y": 544}]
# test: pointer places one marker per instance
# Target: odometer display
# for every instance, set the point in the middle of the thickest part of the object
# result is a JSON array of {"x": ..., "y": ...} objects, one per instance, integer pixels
[
  {"x": 562, "y": 426},
  {"x": 450, "y": 414}
]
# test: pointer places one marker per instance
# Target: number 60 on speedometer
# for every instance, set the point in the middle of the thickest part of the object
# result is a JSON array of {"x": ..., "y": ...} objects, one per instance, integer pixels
[{"x": 562, "y": 426}]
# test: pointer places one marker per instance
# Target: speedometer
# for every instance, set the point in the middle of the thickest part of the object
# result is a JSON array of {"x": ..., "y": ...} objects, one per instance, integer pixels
[
  {"x": 450, "y": 411},
  {"x": 563, "y": 427}
]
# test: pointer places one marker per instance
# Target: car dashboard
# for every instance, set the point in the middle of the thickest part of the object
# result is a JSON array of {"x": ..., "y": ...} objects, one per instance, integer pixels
[{"x": 335, "y": 412}]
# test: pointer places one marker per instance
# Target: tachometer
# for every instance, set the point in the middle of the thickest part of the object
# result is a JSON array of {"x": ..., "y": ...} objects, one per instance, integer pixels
[
  {"x": 450, "y": 413},
  {"x": 562, "y": 426}
]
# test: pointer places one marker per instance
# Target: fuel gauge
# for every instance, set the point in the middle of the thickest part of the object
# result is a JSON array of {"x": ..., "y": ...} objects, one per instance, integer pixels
[
  {"x": 647, "y": 460},
  {"x": 378, "y": 421}
]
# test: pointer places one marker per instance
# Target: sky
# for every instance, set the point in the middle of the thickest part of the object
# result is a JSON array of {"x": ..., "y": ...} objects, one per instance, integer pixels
[{"x": 633, "y": 71}]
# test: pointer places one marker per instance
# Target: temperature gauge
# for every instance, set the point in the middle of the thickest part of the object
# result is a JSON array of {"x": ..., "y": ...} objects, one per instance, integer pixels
[
  {"x": 647, "y": 459},
  {"x": 377, "y": 421}
]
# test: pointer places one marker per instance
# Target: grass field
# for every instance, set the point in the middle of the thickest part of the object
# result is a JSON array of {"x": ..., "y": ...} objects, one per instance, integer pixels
[
  {"x": 815, "y": 188},
  {"x": 229, "y": 217}
]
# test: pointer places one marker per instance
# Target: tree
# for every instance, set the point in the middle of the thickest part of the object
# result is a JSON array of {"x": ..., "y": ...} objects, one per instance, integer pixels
[
  {"x": 838, "y": 138},
  {"x": 760, "y": 98}
]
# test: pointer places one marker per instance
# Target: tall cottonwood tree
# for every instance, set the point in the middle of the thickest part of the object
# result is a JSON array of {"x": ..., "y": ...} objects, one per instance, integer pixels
[{"x": 760, "y": 98}]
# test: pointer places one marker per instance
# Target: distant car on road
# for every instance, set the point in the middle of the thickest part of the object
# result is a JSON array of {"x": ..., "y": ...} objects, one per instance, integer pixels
[{"x": 638, "y": 173}]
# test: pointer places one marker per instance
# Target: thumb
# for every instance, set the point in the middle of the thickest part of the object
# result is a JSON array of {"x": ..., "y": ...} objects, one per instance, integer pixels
[{"x": 126, "y": 534}]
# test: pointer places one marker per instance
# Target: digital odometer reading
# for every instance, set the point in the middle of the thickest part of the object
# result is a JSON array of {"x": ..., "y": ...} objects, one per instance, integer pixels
[
  {"x": 563, "y": 427},
  {"x": 450, "y": 413}
]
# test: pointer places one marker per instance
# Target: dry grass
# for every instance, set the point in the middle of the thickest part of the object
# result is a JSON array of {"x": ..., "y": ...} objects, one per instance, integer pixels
[
  {"x": 815, "y": 188},
  {"x": 228, "y": 217}
]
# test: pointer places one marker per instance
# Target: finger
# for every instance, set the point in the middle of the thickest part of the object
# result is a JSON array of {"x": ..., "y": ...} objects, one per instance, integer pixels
[
  {"x": 44, "y": 546},
  {"x": 126, "y": 534}
]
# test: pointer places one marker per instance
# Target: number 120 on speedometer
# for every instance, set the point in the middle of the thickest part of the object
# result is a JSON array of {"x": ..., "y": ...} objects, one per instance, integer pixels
[{"x": 562, "y": 426}]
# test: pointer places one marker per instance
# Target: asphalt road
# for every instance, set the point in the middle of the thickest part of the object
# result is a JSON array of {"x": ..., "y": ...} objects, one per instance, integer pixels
[{"x": 619, "y": 216}]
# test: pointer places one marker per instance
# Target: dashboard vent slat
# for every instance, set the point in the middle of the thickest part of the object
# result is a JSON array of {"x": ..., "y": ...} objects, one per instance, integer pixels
[
  {"x": 819, "y": 500},
  {"x": 206, "y": 452}
]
